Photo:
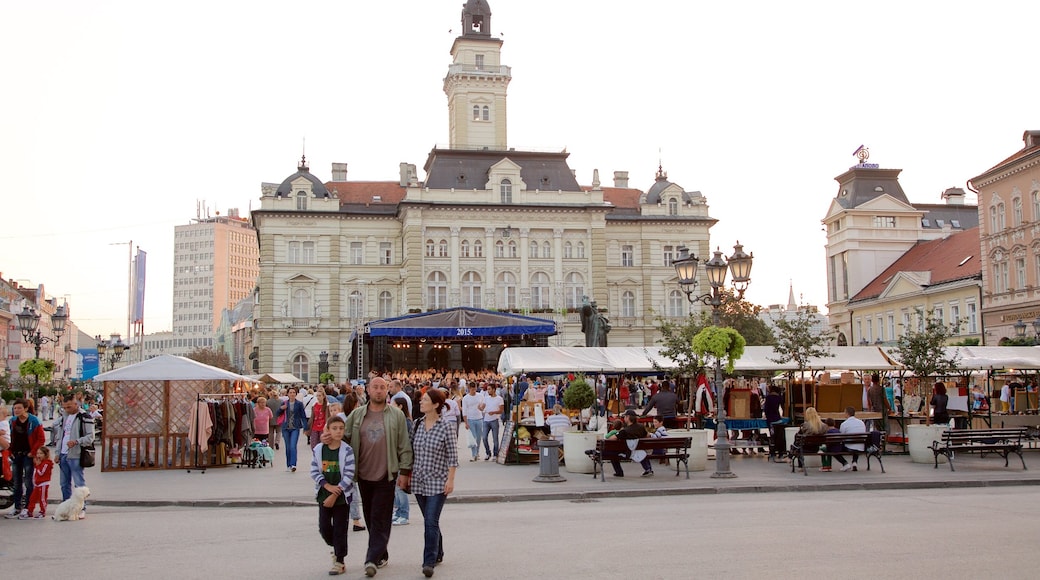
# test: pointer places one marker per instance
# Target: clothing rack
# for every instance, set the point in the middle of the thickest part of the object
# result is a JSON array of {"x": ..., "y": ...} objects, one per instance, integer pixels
[{"x": 206, "y": 398}]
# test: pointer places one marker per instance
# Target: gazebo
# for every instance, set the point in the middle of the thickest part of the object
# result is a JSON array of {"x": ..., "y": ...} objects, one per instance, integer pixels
[{"x": 148, "y": 409}]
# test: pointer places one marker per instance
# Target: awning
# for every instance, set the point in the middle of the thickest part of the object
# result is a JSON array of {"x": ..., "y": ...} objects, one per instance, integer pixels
[
  {"x": 989, "y": 357},
  {"x": 276, "y": 378},
  {"x": 167, "y": 367},
  {"x": 461, "y": 323}
]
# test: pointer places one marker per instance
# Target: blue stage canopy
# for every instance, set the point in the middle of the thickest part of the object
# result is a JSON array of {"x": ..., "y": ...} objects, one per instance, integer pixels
[{"x": 461, "y": 324}]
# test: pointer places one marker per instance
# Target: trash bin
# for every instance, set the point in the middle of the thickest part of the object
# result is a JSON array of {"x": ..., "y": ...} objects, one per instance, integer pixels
[{"x": 549, "y": 462}]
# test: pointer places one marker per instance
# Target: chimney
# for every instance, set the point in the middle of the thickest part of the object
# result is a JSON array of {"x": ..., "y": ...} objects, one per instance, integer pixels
[
  {"x": 954, "y": 196},
  {"x": 1031, "y": 139},
  {"x": 620, "y": 179},
  {"x": 339, "y": 172},
  {"x": 409, "y": 178}
]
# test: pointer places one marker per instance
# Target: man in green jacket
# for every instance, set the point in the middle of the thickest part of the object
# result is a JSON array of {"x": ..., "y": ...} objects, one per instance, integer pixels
[{"x": 378, "y": 433}]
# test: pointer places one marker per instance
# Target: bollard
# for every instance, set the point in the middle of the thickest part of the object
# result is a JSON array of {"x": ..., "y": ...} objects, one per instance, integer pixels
[{"x": 549, "y": 462}]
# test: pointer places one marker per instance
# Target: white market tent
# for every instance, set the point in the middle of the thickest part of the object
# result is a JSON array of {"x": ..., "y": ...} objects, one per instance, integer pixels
[
  {"x": 276, "y": 378},
  {"x": 988, "y": 357},
  {"x": 168, "y": 367},
  {"x": 637, "y": 359},
  {"x": 148, "y": 410}
]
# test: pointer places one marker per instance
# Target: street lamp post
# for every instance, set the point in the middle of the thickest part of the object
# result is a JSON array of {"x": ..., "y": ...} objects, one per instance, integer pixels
[
  {"x": 323, "y": 365},
  {"x": 29, "y": 324},
  {"x": 739, "y": 265},
  {"x": 117, "y": 347}
]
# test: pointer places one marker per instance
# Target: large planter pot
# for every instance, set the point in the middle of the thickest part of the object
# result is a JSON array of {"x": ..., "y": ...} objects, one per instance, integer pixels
[
  {"x": 698, "y": 446},
  {"x": 811, "y": 459},
  {"x": 920, "y": 442},
  {"x": 574, "y": 445}
]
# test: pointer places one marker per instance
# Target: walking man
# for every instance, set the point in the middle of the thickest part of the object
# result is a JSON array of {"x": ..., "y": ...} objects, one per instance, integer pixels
[
  {"x": 473, "y": 417},
  {"x": 492, "y": 414},
  {"x": 26, "y": 438},
  {"x": 75, "y": 430},
  {"x": 378, "y": 434}
]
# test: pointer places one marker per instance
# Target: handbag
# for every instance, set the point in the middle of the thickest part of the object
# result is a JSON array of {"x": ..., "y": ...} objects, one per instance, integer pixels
[{"x": 86, "y": 452}]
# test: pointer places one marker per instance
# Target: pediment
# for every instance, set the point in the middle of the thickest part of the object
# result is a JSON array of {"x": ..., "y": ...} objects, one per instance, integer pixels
[
  {"x": 886, "y": 203},
  {"x": 904, "y": 283},
  {"x": 301, "y": 279}
]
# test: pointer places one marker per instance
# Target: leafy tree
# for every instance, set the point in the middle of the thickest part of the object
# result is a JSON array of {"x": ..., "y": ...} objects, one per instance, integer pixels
[
  {"x": 41, "y": 368},
  {"x": 677, "y": 344},
  {"x": 742, "y": 316},
  {"x": 212, "y": 357},
  {"x": 966, "y": 342},
  {"x": 797, "y": 342},
  {"x": 326, "y": 378},
  {"x": 923, "y": 351},
  {"x": 725, "y": 345}
]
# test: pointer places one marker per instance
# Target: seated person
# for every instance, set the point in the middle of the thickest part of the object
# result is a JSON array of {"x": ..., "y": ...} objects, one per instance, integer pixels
[
  {"x": 558, "y": 423},
  {"x": 616, "y": 426},
  {"x": 813, "y": 425},
  {"x": 632, "y": 431},
  {"x": 659, "y": 432},
  {"x": 851, "y": 425}
]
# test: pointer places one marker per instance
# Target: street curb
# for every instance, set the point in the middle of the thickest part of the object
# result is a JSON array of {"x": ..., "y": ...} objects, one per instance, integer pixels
[{"x": 595, "y": 495}]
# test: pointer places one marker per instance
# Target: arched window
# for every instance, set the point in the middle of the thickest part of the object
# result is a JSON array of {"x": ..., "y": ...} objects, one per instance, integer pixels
[
  {"x": 436, "y": 291},
  {"x": 386, "y": 304},
  {"x": 478, "y": 249},
  {"x": 301, "y": 303},
  {"x": 993, "y": 218},
  {"x": 512, "y": 249},
  {"x": 301, "y": 368},
  {"x": 539, "y": 290},
  {"x": 1001, "y": 218},
  {"x": 301, "y": 201},
  {"x": 546, "y": 250},
  {"x": 574, "y": 289},
  {"x": 487, "y": 113},
  {"x": 500, "y": 249},
  {"x": 355, "y": 305},
  {"x": 673, "y": 206},
  {"x": 1016, "y": 208},
  {"x": 1036, "y": 206},
  {"x": 471, "y": 290},
  {"x": 568, "y": 251},
  {"x": 675, "y": 303},
  {"x": 476, "y": 112},
  {"x": 430, "y": 248},
  {"x": 505, "y": 188},
  {"x": 581, "y": 250},
  {"x": 464, "y": 248},
  {"x": 442, "y": 249},
  {"x": 628, "y": 304},
  {"x": 506, "y": 290},
  {"x": 533, "y": 252}
]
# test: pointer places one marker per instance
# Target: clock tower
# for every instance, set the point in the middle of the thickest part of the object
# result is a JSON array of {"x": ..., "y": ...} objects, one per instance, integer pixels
[{"x": 476, "y": 84}]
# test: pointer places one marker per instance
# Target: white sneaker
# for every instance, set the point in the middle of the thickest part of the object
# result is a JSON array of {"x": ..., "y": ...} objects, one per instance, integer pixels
[
  {"x": 13, "y": 514},
  {"x": 400, "y": 522},
  {"x": 846, "y": 467}
]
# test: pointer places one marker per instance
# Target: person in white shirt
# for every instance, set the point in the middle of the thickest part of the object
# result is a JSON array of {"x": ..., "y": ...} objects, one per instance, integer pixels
[
  {"x": 851, "y": 424},
  {"x": 473, "y": 417},
  {"x": 558, "y": 423},
  {"x": 492, "y": 413},
  {"x": 1005, "y": 398},
  {"x": 451, "y": 410},
  {"x": 397, "y": 392}
]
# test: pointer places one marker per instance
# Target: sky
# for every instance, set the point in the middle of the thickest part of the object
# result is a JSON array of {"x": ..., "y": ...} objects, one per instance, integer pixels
[{"x": 118, "y": 119}]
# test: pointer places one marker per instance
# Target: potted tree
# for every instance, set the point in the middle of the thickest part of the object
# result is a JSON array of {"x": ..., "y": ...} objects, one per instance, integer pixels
[{"x": 579, "y": 395}]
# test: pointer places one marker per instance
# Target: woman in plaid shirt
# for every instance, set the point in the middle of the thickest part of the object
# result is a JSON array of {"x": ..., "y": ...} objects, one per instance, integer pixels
[{"x": 436, "y": 456}]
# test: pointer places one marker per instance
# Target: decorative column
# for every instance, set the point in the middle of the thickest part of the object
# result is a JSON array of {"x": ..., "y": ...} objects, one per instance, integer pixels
[
  {"x": 525, "y": 258},
  {"x": 489, "y": 267}
]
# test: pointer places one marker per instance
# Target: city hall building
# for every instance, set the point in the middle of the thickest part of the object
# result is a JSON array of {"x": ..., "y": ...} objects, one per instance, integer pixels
[{"x": 505, "y": 235}]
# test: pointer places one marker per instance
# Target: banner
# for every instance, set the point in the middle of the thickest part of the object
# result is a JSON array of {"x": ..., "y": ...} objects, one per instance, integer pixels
[{"x": 139, "y": 276}]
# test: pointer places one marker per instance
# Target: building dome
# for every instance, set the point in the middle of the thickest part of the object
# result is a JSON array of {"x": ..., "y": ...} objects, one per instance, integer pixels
[
  {"x": 318, "y": 188},
  {"x": 653, "y": 195}
]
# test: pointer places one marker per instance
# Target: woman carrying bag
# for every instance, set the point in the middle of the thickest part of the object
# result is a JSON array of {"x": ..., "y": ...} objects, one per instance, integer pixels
[{"x": 436, "y": 457}]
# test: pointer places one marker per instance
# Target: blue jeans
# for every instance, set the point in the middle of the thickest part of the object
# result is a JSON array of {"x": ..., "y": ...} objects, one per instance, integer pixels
[
  {"x": 491, "y": 427},
  {"x": 431, "y": 506},
  {"x": 291, "y": 438},
  {"x": 71, "y": 473},
  {"x": 22, "y": 476},
  {"x": 476, "y": 428},
  {"x": 355, "y": 504},
  {"x": 401, "y": 507}
]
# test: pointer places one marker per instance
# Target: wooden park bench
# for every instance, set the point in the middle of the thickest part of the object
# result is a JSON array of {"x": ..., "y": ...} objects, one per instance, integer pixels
[
  {"x": 873, "y": 443},
  {"x": 1003, "y": 442},
  {"x": 677, "y": 448}
]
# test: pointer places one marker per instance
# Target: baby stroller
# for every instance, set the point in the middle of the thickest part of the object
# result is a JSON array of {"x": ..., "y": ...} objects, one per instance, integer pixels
[
  {"x": 257, "y": 454},
  {"x": 6, "y": 483}
]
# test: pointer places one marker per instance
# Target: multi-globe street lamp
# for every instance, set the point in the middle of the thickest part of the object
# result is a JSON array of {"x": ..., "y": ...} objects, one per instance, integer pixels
[
  {"x": 739, "y": 264},
  {"x": 114, "y": 347},
  {"x": 29, "y": 324}
]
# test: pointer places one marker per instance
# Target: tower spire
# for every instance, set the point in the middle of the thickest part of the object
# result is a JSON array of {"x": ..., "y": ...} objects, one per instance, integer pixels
[{"x": 791, "y": 304}]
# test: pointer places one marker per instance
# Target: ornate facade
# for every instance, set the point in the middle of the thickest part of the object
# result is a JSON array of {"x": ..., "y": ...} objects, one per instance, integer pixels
[{"x": 489, "y": 226}]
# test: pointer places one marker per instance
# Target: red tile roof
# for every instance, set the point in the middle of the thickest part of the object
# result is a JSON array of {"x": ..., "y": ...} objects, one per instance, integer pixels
[
  {"x": 622, "y": 197},
  {"x": 361, "y": 192},
  {"x": 944, "y": 258},
  {"x": 1025, "y": 152}
]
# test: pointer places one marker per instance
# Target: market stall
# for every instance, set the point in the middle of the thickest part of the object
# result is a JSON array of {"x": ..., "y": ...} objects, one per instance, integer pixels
[{"x": 148, "y": 411}]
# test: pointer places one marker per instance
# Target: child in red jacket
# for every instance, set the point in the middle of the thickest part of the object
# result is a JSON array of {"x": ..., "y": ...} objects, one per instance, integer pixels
[{"x": 41, "y": 482}]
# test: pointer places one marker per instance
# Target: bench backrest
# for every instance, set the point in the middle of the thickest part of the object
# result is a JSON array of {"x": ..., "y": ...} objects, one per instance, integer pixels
[
  {"x": 872, "y": 438},
  {"x": 965, "y": 436},
  {"x": 646, "y": 443}
]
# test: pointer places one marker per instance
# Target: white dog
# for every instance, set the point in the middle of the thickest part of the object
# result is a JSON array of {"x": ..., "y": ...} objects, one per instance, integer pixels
[{"x": 71, "y": 508}]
